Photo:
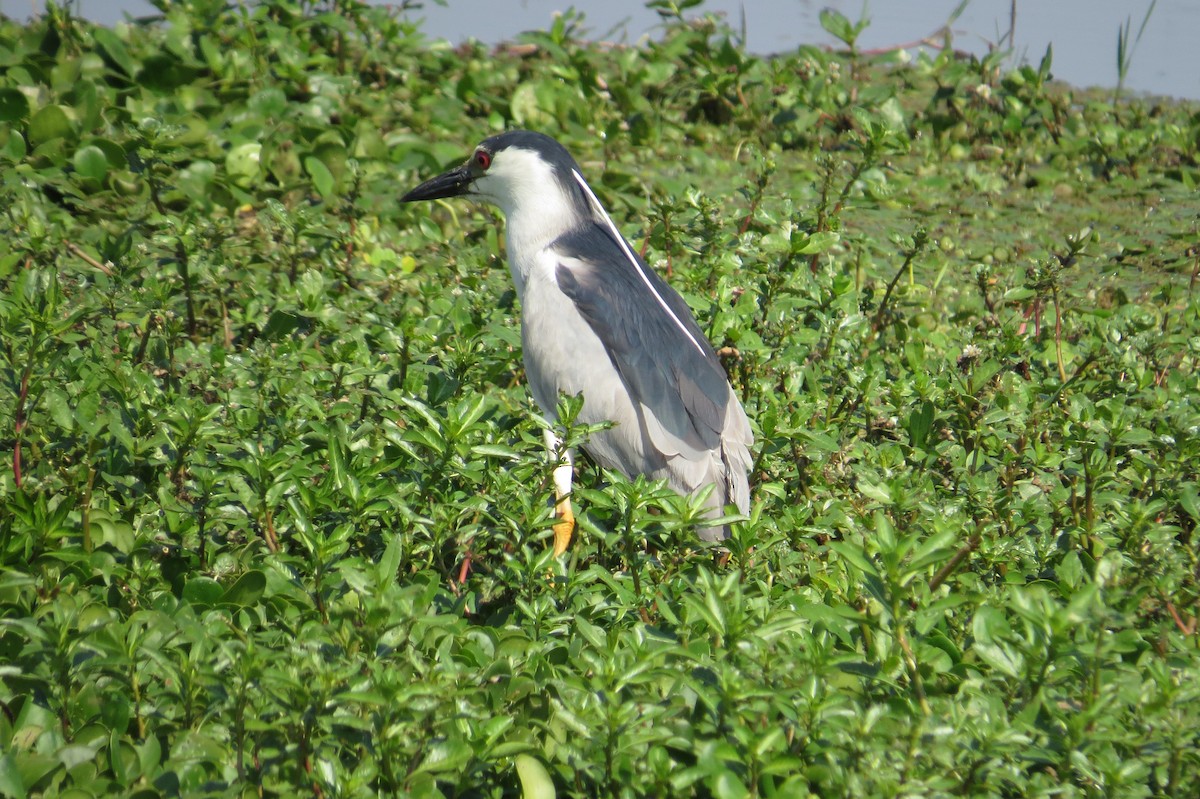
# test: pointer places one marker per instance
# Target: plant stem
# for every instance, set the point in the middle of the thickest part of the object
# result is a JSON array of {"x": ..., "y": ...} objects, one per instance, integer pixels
[
  {"x": 952, "y": 564},
  {"x": 185, "y": 274},
  {"x": 919, "y": 240},
  {"x": 910, "y": 661},
  {"x": 1062, "y": 370},
  {"x": 19, "y": 420}
]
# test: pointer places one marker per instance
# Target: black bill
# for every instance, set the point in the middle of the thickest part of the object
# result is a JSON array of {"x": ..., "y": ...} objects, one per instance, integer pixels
[{"x": 448, "y": 184}]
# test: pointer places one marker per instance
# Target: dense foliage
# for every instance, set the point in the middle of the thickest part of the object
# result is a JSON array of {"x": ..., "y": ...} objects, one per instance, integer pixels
[{"x": 255, "y": 416}]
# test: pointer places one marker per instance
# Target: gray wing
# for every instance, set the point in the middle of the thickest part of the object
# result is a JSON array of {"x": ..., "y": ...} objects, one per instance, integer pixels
[{"x": 663, "y": 358}]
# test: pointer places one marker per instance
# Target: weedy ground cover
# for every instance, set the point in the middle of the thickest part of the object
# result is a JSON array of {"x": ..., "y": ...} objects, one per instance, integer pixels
[{"x": 255, "y": 415}]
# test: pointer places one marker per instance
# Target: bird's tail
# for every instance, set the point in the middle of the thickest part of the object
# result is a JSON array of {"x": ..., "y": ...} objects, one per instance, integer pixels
[{"x": 729, "y": 475}]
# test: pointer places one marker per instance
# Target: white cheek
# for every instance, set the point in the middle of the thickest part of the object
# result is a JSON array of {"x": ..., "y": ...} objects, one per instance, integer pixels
[{"x": 484, "y": 187}]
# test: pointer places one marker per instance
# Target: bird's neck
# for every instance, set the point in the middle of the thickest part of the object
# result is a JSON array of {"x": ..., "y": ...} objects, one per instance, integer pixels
[{"x": 531, "y": 228}]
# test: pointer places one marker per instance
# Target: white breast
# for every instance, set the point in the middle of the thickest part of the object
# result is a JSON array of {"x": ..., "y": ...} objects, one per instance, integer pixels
[{"x": 562, "y": 354}]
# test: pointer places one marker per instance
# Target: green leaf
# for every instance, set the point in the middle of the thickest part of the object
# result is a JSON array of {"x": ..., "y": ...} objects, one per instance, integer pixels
[
  {"x": 1001, "y": 657},
  {"x": 49, "y": 123},
  {"x": 115, "y": 532},
  {"x": 876, "y": 491},
  {"x": 989, "y": 624},
  {"x": 247, "y": 591},
  {"x": 165, "y": 73},
  {"x": 840, "y": 27},
  {"x": 727, "y": 785},
  {"x": 203, "y": 591},
  {"x": 268, "y": 102},
  {"x": 496, "y": 451},
  {"x": 112, "y": 46},
  {"x": 149, "y": 754},
  {"x": 919, "y": 424},
  {"x": 934, "y": 549},
  {"x": 60, "y": 409},
  {"x": 390, "y": 562},
  {"x": 11, "y": 783},
  {"x": 282, "y": 324},
  {"x": 14, "y": 106},
  {"x": 32, "y": 766},
  {"x": 12, "y": 145},
  {"x": 527, "y": 111},
  {"x": 1189, "y": 500},
  {"x": 113, "y": 152},
  {"x": 1045, "y": 64},
  {"x": 893, "y": 114},
  {"x": 196, "y": 178},
  {"x": 535, "y": 780},
  {"x": 446, "y": 755},
  {"x": 242, "y": 163},
  {"x": 90, "y": 162},
  {"x": 122, "y": 758},
  {"x": 322, "y": 178},
  {"x": 855, "y": 556},
  {"x": 811, "y": 244},
  {"x": 835, "y": 23},
  {"x": 591, "y": 633}
]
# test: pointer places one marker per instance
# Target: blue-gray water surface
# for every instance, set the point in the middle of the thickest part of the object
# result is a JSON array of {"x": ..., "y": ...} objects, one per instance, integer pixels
[{"x": 1083, "y": 32}]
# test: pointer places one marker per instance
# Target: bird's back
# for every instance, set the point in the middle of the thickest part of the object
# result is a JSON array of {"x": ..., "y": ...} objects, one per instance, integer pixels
[{"x": 682, "y": 420}]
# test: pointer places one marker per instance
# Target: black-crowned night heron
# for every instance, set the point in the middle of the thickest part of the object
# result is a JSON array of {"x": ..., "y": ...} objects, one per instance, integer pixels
[{"x": 596, "y": 321}]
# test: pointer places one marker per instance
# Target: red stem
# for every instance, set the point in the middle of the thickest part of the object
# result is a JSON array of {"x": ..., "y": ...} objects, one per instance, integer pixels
[{"x": 19, "y": 425}]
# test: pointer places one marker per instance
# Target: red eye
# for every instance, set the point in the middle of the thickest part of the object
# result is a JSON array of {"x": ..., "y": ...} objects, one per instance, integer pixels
[{"x": 483, "y": 159}]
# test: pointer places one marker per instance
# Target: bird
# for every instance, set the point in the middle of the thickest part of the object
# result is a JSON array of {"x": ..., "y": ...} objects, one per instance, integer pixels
[{"x": 597, "y": 321}]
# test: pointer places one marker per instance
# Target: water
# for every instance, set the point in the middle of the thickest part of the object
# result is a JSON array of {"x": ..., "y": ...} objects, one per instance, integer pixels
[{"x": 1083, "y": 32}]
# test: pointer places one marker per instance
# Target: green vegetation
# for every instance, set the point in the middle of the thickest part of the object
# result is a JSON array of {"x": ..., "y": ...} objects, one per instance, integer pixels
[
  {"x": 1125, "y": 48},
  {"x": 254, "y": 415}
]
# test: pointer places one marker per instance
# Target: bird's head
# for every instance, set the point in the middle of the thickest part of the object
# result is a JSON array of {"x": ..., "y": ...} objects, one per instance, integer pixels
[{"x": 518, "y": 170}]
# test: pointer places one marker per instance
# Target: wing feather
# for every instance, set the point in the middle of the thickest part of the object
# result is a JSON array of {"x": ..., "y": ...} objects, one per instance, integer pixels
[
  {"x": 664, "y": 359},
  {"x": 687, "y": 411}
]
